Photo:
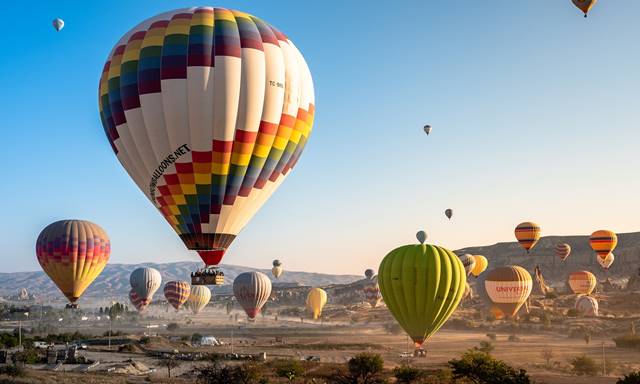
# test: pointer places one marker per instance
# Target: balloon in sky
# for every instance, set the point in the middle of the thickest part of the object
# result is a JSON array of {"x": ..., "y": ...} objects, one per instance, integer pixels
[
  {"x": 427, "y": 129},
  {"x": 316, "y": 299},
  {"x": 508, "y": 288},
  {"x": 73, "y": 253},
  {"x": 198, "y": 298},
  {"x": 481, "y": 264},
  {"x": 208, "y": 110},
  {"x": 587, "y": 306},
  {"x": 58, "y": 24},
  {"x": 372, "y": 293},
  {"x": 527, "y": 234},
  {"x": 563, "y": 250},
  {"x": 177, "y": 293},
  {"x": 252, "y": 290},
  {"x": 422, "y": 285},
  {"x": 145, "y": 282},
  {"x": 421, "y": 236},
  {"x": 469, "y": 262},
  {"x": 369, "y": 273},
  {"x": 607, "y": 261},
  {"x": 277, "y": 271},
  {"x": 137, "y": 301},
  {"x": 603, "y": 242},
  {"x": 582, "y": 282},
  {"x": 584, "y": 5},
  {"x": 449, "y": 213}
]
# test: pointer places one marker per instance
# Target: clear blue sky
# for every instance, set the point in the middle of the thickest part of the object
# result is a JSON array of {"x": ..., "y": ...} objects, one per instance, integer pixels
[{"x": 536, "y": 116}]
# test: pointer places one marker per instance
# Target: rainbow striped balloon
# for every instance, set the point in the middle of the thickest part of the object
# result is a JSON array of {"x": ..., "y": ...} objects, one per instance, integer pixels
[
  {"x": 177, "y": 293},
  {"x": 208, "y": 110},
  {"x": 563, "y": 250},
  {"x": 527, "y": 234},
  {"x": 603, "y": 242}
]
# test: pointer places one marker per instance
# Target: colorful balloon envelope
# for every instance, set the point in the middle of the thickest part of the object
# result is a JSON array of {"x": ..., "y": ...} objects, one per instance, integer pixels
[
  {"x": 58, "y": 24},
  {"x": 527, "y": 234},
  {"x": 73, "y": 253},
  {"x": 508, "y": 288},
  {"x": 145, "y": 282},
  {"x": 582, "y": 282},
  {"x": 177, "y": 293},
  {"x": 607, "y": 261},
  {"x": 252, "y": 290},
  {"x": 584, "y": 5},
  {"x": 372, "y": 293},
  {"x": 316, "y": 300},
  {"x": 208, "y": 110},
  {"x": 468, "y": 262},
  {"x": 137, "y": 302},
  {"x": 198, "y": 298},
  {"x": 603, "y": 242},
  {"x": 587, "y": 306},
  {"x": 481, "y": 264},
  {"x": 422, "y": 286},
  {"x": 563, "y": 250}
]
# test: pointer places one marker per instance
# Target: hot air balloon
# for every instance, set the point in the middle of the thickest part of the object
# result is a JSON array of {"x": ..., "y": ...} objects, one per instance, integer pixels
[
  {"x": 422, "y": 285},
  {"x": 481, "y": 264},
  {"x": 198, "y": 298},
  {"x": 177, "y": 293},
  {"x": 527, "y": 234},
  {"x": 206, "y": 146},
  {"x": 563, "y": 250},
  {"x": 603, "y": 242},
  {"x": 73, "y": 253},
  {"x": 58, "y": 24},
  {"x": 137, "y": 301},
  {"x": 469, "y": 262},
  {"x": 587, "y": 306},
  {"x": 448, "y": 212},
  {"x": 369, "y": 273},
  {"x": 427, "y": 129},
  {"x": 252, "y": 290},
  {"x": 316, "y": 299},
  {"x": 277, "y": 269},
  {"x": 145, "y": 281},
  {"x": 421, "y": 236},
  {"x": 607, "y": 261},
  {"x": 582, "y": 282},
  {"x": 372, "y": 293},
  {"x": 584, "y": 5},
  {"x": 508, "y": 288}
]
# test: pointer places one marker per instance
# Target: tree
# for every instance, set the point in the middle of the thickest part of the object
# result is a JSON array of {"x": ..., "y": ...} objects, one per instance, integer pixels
[
  {"x": 583, "y": 365},
  {"x": 216, "y": 373},
  {"x": 547, "y": 355},
  {"x": 290, "y": 369},
  {"x": 363, "y": 368},
  {"x": 170, "y": 363},
  {"x": 480, "y": 368},
  {"x": 406, "y": 374},
  {"x": 631, "y": 378},
  {"x": 171, "y": 327}
]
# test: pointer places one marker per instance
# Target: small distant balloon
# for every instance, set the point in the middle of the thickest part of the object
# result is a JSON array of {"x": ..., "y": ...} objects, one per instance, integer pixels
[
  {"x": 563, "y": 250},
  {"x": 369, "y": 273},
  {"x": 607, "y": 261},
  {"x": 421, "y": 236},
  {"x": 527, "y": 234},
  {"x": 584, "y": 5},
  {"x": 448, "y": 212},
  {"x": 58, "y": 24},
  {"x": 427, "y": 129}
]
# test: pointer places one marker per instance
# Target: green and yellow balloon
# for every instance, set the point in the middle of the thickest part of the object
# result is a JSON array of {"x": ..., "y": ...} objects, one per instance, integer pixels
[{"x": 422, "y": 285}]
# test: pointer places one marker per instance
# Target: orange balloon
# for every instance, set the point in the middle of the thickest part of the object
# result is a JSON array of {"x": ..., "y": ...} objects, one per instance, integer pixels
[
  {"x": 527, "y": 234},
  {"x": 582, "y": 282},
  {"x": 603, "y": 242}
]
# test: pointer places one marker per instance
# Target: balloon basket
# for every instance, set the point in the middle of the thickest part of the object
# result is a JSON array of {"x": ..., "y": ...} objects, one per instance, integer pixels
[
  {"x": 207, "y": 276},
  {"x": 71, "y": 306}
]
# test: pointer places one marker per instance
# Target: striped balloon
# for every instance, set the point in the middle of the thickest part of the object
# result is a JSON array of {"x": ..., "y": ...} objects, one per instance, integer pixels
[
  {"x": 563, "y": 250},
  {"x": 527, "y": 234},
  {"x": 468, "y": 262},
  {"x": 587, "y": 306},
  {"x": 508, "y": 288},
  {"x": 73, "y": 253},
  {"x": 177, "y": 293},
  {"x": 198, "y": 298},
  {"x": 603, "y": 242},
  {"x": 252, "y": 290},
  {"x": 145, "y": 281},
  {"x": 372, "y": 293},
  {"x": 208, "y": 110},
  {"x": 582, "y": 282},
  {"x": 607, "y": 261},
  {"x": 137, "y": 302}
]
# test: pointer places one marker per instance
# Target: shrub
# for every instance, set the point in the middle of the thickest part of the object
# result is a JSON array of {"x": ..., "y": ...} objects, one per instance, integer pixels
[
  {"x": 514, "y": 338},
  {"x": 172, "y": 327},
  {"x": 216, "y": 373},
  {"x": 195, "y": 338},
  {"x": 480, "y": 368},
  {"x": 583, "y": 365},
  {"x": 28, "y": 356},
  {"x": 551, "y": 295},
  {"x": 145, "y": 340},
  {"x": 12, "y": 370},
  {"x": 631, "y": 378},
  {"x": 290, "y": 369},
  {"x": 492, "y": 336},
  {"x": 365, "y": 366},
  {"x": 572, "y": 312},
  {"x": 627, "y": 341},
  {"x": 485, "y": 346},
  {"x": 406, "y": 374}
]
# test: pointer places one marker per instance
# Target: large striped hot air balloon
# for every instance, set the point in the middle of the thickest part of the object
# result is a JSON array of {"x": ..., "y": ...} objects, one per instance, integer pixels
[
  {"x": 145, "y": 282},
  {"x": 177, "y": 293},
  {"x": 198, "y": 298},
  {"x": 73, "y": 253},
  {"x": 508, "y": 288},
  {"x": 563, "y": 250},
  {"x": 587, "y": 306},
  {"x": 208, "y": 110},
  {"x": 582, "y": 282},
  {"x": 316, "y": 299},
  {"x": 527, "y": 234},
  {"x": 607, "y": 261},
  {"x": 137, "y": 301},
  {"x": 421, "y": 285},
  {"x": 481, "y": 264},
  {"x": 603, "y": 242},
  {"x": 252, "y": 290},
  {"x": 584, "y": 5}
]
